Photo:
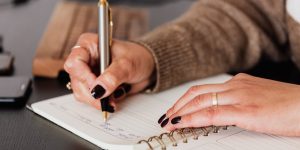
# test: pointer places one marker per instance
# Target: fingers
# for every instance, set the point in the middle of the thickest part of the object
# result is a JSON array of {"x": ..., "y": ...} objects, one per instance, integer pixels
[
  {"x": 122, "y": 91},
  {"x": 136, "y": 88},
  {"x": 79, "y": 61},
  {"x": 194, "y": 92},
  {"x": 90, "y": 42},
  {"x": 204, "y": 101},
  {"x": 77, "y": 66},
  {"x": 82, "y": 94},
  {"x": 116, "y": 74},
  {"x": 217, "y": 116}
]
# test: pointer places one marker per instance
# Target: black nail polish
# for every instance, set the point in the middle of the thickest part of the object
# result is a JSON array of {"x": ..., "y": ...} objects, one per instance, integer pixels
[
  {"x": 127, "y": 87},
  {"x": 105, "y": 105},
  {"x": 161, "y": 118},
  {"x": 176, "y": 120},
  {"x": 98, "y": 92},
  {"x": 164, "y": 123},
  {"x": 110, "y": 109},
  {"x": 119, "y": 93}
]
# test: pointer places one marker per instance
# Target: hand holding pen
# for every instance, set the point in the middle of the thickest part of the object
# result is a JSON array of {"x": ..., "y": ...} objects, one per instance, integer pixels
[
  {"x": 104, "y": 46},
  {"x": 129, "y": 71}
]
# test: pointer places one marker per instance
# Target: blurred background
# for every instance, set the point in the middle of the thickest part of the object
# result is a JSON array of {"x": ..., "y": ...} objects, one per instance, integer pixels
[
  {"x": 23, "y": 26},
  {"x": 23, "y": 32}
]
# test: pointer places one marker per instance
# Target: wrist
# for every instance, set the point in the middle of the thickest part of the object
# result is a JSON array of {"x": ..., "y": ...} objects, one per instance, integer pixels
[{"x": 150, "y": 65}]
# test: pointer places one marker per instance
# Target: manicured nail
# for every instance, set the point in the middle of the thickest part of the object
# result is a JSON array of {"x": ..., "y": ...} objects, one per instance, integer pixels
[
  {"x": 176, "y": 120},
  {"x": 110, "y": 109},
  {"x": 119, "y": 93},
  {"x": 127, "y": 87},
  {"x": 98, "y": 92},
  {"x": 164, "y": 123},
  {"x": 161, "y": 118},
  {"x": 105, "y": 105}
]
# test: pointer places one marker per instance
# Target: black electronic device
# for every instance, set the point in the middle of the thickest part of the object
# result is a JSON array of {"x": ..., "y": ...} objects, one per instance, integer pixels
[
  {"x": 14, "y": 2},
  {"x": 14, "y": 91},
  {"x": 6, "y": 60},
  {"x": 1, "y": 44},
  {"x": 6, "y": 64}
]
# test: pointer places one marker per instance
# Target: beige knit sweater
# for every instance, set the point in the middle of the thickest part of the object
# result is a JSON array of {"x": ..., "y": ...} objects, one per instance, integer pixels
[{"x": 217, "y": 36}]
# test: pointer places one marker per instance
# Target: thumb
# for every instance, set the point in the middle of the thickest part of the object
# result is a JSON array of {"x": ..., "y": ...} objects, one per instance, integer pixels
[{"x": 116, "y": 74}]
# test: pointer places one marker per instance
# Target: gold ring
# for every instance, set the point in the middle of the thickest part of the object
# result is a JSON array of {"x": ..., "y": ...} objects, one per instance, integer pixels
[
  {"x": 215, "y": 99},
  {"x": 76, "y": 46},
  {"x": 68, "y": 85}
]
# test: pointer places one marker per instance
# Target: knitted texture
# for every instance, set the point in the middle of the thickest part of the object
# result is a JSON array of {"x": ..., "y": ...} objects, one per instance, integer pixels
[{"x": 217, "y": 36}]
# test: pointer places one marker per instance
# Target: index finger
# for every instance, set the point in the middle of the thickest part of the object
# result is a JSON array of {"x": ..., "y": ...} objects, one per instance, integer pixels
[
  {"x": 81, "y": 56},
  {"x": 77, "y": 65},
  {"x": 192, "y": 93},
  {"x": 217, "y": 116}
]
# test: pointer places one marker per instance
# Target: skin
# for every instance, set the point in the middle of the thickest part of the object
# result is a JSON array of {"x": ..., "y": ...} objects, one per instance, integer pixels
[
  {"x": 245, "y": 101},
  {"x": 131, "y": 63},
  {"x": 248, "y": 102}
]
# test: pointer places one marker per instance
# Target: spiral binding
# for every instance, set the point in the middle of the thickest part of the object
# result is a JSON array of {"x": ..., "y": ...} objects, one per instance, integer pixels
[{"x": 183, "y": 133}]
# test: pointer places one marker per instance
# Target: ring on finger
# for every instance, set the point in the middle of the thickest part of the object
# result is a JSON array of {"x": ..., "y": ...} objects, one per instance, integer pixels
[
  {"x": 76, "y": 46},
  {"x": 69, "y": 86},
  {"x": 215, "y": 99}
]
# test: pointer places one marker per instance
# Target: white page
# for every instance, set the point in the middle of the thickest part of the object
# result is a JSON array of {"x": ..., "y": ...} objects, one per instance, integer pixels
[
  {"x": 236, "y": 139},
  {"x": 136, "y": 119}
]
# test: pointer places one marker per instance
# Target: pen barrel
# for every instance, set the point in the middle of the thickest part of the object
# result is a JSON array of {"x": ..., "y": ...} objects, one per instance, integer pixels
[{"x": 104, "y": 35}]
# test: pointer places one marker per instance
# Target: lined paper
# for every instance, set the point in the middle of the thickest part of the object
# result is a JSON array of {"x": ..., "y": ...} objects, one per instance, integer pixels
[{"x": 137, "y": 118}]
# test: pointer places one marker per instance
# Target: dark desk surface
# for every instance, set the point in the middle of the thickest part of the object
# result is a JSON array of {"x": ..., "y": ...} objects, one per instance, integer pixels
[{"x": 22, "y": 28}]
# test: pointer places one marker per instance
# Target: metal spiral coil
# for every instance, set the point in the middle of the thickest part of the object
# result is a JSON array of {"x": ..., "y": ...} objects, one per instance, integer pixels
[{"x": 183, "y": 133}]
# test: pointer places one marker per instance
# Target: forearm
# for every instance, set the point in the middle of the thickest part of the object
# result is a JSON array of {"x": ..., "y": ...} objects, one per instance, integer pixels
[{"x": 213, "y": 37}]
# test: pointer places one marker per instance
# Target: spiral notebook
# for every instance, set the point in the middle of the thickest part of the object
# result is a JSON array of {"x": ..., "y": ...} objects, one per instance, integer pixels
[{"x": 134, "y": 125}]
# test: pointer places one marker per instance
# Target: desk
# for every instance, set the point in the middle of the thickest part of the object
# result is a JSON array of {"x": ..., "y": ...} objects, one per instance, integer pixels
[{"x": 22, "y": 28}]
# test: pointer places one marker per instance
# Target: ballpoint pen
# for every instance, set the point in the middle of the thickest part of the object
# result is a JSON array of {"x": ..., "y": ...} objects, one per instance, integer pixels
[{"x": 105, "y": 41}]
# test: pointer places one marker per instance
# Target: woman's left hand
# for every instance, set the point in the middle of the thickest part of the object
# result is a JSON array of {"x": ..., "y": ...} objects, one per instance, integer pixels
[{"x": 245, "y": 101}]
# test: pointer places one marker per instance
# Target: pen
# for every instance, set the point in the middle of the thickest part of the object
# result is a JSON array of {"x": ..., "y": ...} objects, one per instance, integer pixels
[{"x": 105, "y": 41}]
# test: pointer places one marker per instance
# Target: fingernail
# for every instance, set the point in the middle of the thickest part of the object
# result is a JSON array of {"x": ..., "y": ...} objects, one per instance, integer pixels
[
  {"x": 176, "y": 120},
  {"x": 110, "y": 109},
  {"x": 161, "y": 118},
  {"x": 164, "y": 123},
  {"x": 127, "y": 88},
  {"x": 119, "y": 93},
  {"x": 98, "y": 92},
  {"x": 105, "y": 105}
]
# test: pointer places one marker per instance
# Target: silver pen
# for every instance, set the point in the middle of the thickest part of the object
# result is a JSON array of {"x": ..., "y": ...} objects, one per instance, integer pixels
[{"x": 105, "y": 41}]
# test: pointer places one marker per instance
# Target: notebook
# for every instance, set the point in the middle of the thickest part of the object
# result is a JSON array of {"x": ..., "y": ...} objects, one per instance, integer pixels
[{"x": 134, "y": 125}]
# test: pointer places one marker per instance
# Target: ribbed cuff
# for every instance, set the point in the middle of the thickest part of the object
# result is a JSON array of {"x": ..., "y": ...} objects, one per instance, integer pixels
[{"x": 172, "y": 53}]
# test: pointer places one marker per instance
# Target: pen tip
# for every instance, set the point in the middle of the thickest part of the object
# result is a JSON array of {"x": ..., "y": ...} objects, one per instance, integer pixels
[{"x": 105, "y": 116}]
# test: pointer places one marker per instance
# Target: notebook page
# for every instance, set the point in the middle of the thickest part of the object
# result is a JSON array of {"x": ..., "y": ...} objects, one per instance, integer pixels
[
  {"x": 258, "y": 141},
  {"x": 120, "y": 132},
  {"x": 135, "y": 120},
  {"x": 236, "y": 139}
]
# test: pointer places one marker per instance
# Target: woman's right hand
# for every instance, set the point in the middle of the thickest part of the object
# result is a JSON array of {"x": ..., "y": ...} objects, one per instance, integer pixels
[{"x": 131, "y": 63}]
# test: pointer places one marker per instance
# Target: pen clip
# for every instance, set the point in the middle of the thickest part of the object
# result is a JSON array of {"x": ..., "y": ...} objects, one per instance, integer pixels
[{"x": 111, "y": 25}]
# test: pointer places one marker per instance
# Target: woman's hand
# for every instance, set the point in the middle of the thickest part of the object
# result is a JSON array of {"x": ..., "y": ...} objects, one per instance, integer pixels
[
  {"x": 248, "y": 102},
  {"x": 131, "y": 64}
]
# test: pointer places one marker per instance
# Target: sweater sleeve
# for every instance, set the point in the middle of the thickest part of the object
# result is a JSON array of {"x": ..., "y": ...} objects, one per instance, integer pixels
[{"x": 216, "y": 36}]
